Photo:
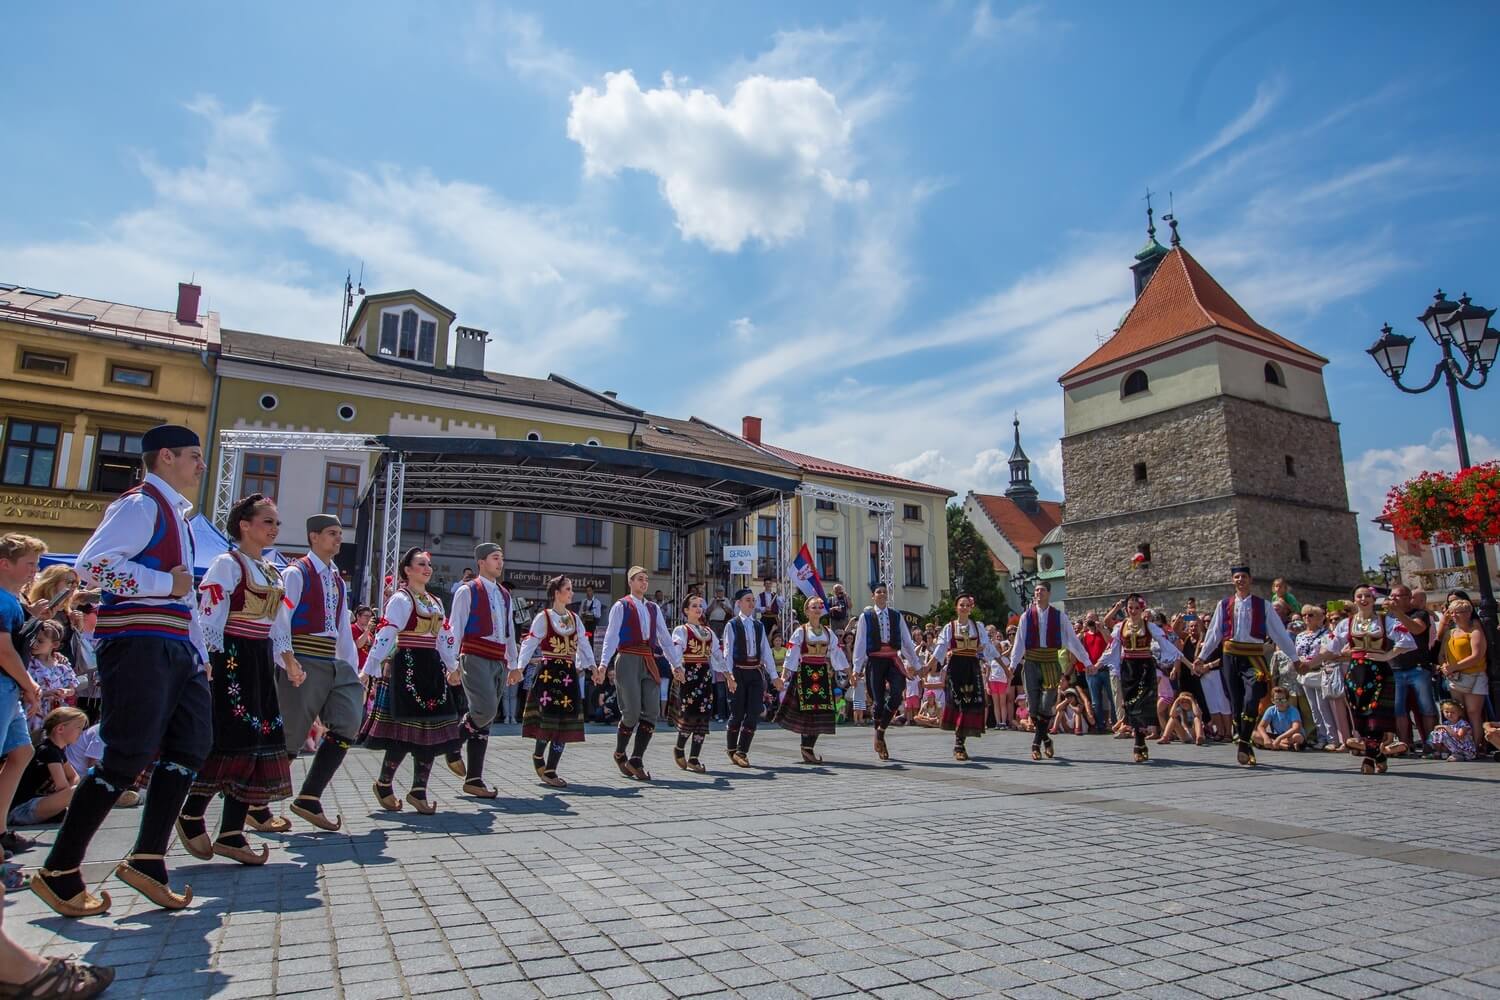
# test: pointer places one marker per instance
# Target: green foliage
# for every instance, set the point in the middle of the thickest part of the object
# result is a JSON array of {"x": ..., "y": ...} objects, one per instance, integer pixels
[{"x": 969, "y": 560}]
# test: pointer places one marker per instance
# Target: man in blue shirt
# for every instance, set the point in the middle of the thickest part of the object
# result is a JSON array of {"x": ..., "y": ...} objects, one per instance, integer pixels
[{"x": 1280, "y": 728}]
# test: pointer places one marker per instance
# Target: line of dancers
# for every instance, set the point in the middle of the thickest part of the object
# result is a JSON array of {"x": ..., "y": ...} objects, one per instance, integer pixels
[{"x": 217, "y": 683}]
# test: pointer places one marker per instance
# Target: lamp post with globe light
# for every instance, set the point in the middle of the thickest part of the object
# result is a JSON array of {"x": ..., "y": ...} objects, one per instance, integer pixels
[{"x": 1468, "y": 345}]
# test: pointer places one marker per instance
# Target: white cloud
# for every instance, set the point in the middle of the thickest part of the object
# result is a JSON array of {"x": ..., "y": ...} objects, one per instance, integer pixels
[
  {"x": 742, "y": 329},
  {"x": 545, "y": 283},
  {"x": 1266, "y": 96},
  {"x": 755, "y": 168},
  {"x": 519, "y": 40},
  {"x": 1020, "y": 23},
  {"x": 1371, "y": 475}
]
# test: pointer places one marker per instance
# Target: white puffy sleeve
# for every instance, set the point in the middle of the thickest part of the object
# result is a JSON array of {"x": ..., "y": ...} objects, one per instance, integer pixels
[{"x": 214, "y": 592}]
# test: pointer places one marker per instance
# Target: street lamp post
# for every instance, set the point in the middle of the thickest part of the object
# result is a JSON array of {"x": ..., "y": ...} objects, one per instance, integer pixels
[{"x": 1468, "y": 344}]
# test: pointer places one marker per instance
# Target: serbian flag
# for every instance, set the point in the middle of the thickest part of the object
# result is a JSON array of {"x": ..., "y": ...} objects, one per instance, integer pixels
[{"x": 805, "y": 575}]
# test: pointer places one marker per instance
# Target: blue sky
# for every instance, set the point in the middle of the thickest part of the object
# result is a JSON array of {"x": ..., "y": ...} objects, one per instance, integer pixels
[{"x": 881, "y": 227}]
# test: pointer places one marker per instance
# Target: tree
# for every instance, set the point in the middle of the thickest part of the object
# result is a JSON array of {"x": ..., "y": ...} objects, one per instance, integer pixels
[{"x": 970, "y": 569}]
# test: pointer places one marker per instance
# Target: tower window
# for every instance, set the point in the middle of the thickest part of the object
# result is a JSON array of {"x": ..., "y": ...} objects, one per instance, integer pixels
[
  {"x": 1291, "y": 466},
  {"x": 1140, "y": 472},
  {"x": 1135, "y": 382},
  {"x": 1304, "y": 551},
  {"x": 1274, "y": 375}
]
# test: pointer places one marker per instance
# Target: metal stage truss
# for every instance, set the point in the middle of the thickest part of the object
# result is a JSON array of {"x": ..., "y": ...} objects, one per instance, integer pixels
[{"x": 643, "y": 489}]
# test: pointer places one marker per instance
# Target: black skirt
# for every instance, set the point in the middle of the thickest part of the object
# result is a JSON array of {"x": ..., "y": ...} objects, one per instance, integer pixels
[
  {"x": 248, "y": 760},
  {"x": 690, "y": 704}
]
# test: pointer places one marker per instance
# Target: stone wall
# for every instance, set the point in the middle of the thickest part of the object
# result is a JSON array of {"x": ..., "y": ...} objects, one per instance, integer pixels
[{"x": 1212, "y": 496}]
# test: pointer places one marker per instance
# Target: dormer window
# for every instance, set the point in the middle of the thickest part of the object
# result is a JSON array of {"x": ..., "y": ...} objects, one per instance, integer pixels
[
  {"x": 1274, "y": 375},
  {"x": 408, "y": 335}
]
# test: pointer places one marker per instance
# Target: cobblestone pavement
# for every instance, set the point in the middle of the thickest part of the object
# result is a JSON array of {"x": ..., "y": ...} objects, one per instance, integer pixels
[{"x": 1086, "y": 876}]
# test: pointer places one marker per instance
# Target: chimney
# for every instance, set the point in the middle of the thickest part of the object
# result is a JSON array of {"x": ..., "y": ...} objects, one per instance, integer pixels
[
  {"x": 612, "y": 394},
  {"x": 469, "y": 354},
  {"x": 187, "y": 303},
  {"x": 750, "y": 429}
]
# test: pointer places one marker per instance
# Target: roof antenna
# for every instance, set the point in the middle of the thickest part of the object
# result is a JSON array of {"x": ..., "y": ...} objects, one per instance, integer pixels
[
  {"x": 361, "y": 288},
  {"x": 1171, "y": 220}
]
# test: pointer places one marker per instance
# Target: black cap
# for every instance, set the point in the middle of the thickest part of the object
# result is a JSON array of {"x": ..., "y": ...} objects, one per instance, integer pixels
[
  {"x": 743, "y": 592},
  {"x": 1239, "y": 568},
  {"x": 169, "y": 436}
]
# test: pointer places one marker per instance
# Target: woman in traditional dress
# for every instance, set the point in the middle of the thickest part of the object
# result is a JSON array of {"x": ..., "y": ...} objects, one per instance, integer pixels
[
  {"x": 239, "y": 599},
  {"x": 554, "y": 712},
  {"x": 416, "y": 711},
  {"x": 1369, "y": 642},
  {"x": 813, "y": 661},
  {"x": 1130, "y": 649},
  {"x": 961, "y": 650},
  {"x": 690, "y": 704}
]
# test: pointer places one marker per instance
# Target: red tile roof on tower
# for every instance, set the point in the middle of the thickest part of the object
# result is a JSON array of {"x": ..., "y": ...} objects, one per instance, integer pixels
[
  {"x": 809, "y": 463},
  {"x": 1021, "y": 528},
  {"x": 1180, "y": 299}
]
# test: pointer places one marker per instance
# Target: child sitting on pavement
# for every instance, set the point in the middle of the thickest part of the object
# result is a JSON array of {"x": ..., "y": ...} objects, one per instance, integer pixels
[
  {"x": 1183, "y": 721},
  {"x": 1280, "y": 728}
]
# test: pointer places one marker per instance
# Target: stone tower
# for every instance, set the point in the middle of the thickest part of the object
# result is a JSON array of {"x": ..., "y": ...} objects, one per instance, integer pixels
[{"x": 1198, "y": 438}]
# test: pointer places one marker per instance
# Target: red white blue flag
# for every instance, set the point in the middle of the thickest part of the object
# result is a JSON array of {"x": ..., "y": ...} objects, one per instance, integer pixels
[{"x": 805, "y": 575}]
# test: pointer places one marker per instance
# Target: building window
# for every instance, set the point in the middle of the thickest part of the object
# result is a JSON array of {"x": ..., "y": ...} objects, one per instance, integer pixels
[
  {"x": 588, "y": 531},
  {"x": 533, "y": 436},
  {"x": 592, "y": 442},
  {"x": 1140, "y": 472},
  {"x": 1045, "y": 561},
  {"x": 341, "y": 491},
  {"x": 828, "y": 557},
  {"x": 136, "y": 378},
  {"x": 30, "y": 453},
  {"x": 262, "y": 475},
  {"x": 408, "y": 335},
  {"x": 416, "y": 519},
  {"x": 1274, "y": 375},
  {"x": 269, "y": 401},
  {"x": 1136, "y": 382},
  {"x": 347, "y": 412},
  {"x": 912, "y": 560},
  {"x": 1304, "y": 551},
  {"x": 117, "y": 467},
  {"x": 663, "y": 551},
  {"x": 765, "y": 547},
  {"x": 874, "y": 564},
  {"x": 911, "y": 512},
  {"x": 458, "y": 522},
  {"x": 526, "y": 527},
  {"x": 46, "y": 364},
  {"x": 825, "y": 505},
  {"x": 1291, "y": 465}
]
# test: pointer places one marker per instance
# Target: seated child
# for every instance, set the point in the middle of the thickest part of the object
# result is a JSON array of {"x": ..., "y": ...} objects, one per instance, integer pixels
[
  {"x": 51, "y": 671},
  {"x": 1183, "y": 721},
  {"x": 930, "y": 715},
  {"x": 47, "y": 783},
  {"x": 1280, "y": 728},
  {"x": 1071, "y": 716},
  {"x": 1453, "y": 739}
]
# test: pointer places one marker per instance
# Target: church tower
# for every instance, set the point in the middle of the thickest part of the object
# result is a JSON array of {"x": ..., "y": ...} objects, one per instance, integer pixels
[
  {"x": 1020, "y": 489},
  {"x": 1197, "y": 438}
]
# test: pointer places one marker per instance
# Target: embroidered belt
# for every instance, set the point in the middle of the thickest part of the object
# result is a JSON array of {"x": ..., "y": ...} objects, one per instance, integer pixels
[
  {"x": 1244, "y": 648},
  {"x": 247, "y": 627},
  {"x": 324, "y": 647},
  {"x": 415, "y": 640},
  {"x": 694, "y": 659},
  {"x": 747, "y": 665},
  {"x": 487, "y": 648},
  {"x": 641, "y": 649},
  {"x": 145, "y": 621},
  {"x": 814, "y": 661},
  {"x": 1138, "y": 654},
  {"x": 1041, "y": 654}
]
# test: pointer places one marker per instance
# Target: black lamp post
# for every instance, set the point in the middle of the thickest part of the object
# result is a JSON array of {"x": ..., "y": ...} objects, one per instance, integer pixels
[{"x": 1468, "y": 344}]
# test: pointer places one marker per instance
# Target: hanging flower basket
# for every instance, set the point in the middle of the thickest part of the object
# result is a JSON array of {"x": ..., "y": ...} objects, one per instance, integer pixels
[{"x": 1461, "y": 509}]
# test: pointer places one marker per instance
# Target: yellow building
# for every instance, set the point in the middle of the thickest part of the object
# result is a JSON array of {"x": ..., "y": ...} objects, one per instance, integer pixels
[
  {"x": 82, "y": 379},
  {"x": 393, "y": 375}
]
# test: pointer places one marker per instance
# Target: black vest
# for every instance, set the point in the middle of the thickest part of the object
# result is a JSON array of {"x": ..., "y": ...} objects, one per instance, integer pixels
[{"x": 739, "y": 646}]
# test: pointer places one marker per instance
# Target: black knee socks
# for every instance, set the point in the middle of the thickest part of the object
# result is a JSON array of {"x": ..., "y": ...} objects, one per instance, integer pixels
[
  {"x": 193, "y": 809},
  {"x": 421, "y": 770},
  {"x": 169, "y": 787},
  {"x": 1140, "y": 739},
  {"x": 325, "y": 764},
  {"x": 682, "y": 739},
  {"x": 232, "y": 824},
  {"x": 388, "y": 767},
  {"x": 733, "y": 738},
  {"x": 697, "y": 748},
  {"x": 643, "y": 734},
  {"x": 746, "y": 735},
  {"x": 476, "y": 747},
  {"x": 622, "y": 739},
  {"x": 554, "y": 755},
  {"x": 808, "y": 741},
  {"x": 92, "y": 800}
]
